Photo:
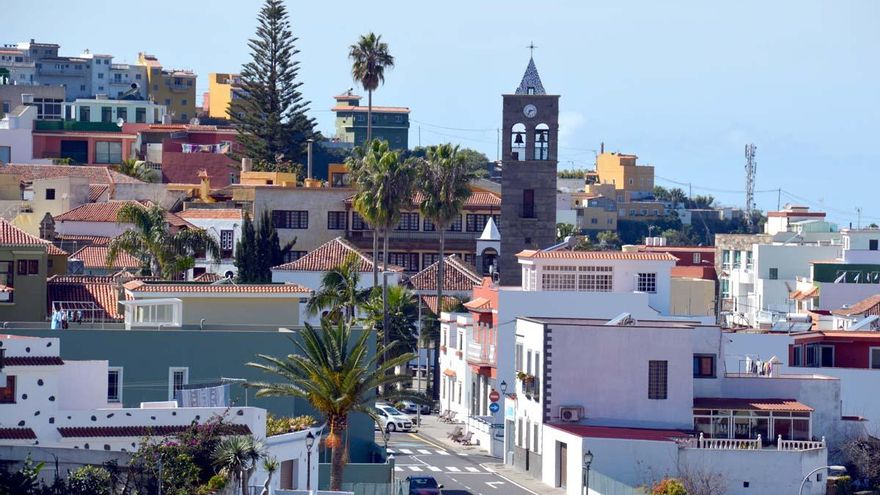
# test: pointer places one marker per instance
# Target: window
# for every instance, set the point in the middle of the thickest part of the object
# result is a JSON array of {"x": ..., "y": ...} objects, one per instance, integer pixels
[
  {"x": 50, "y": 193},
  {"x": 137, "y": 76},
  {"x": 454, "y": 226},
  {"x": 85, "y": 114},
  {"x": 108, "y": 152},
  {"x": 177, "y": 378},
  {"x": 476, "y": 222},
  {"x": 28, "y": 267},
  {"x": 100, "y": 75},
  {"x": 594, "y": 220},
  {"x": 122, "y": 113},
  {"x": 774, "y": 274},
  {"x": 5, "y": 154},
  {"x": 518, "y": 357},
  {"x": 358, "y": 222},
  {"x": 7, "y": 279},
  {"x": 558, "y": 281},
  {"x": 873, "y": 244},
  {"x": 409, "y": 261},
  {"x": 140, "y": 115},
  {"x": 293, "y": 255},
  {"x": 106, "y": 114},
  {"x": 337, "y": 220},
  {"x": 595, "y": 279},
  {"x": 528, "y": 203},
  {"x": 408, "y": 221},
  {"x": 875, "y": 358},
  {"x": 657, "y": 380},
  {"x": 647, "y": 282},
  {"x": 167, "y": 102},
  {"x": 290, "y": 219},
  {"x": 542, "y": 142},
  {"x": 704, "y": 366},
  {"x": 7, "y": 393},
  {"x": 818, "y": 355},
  {"x": 429, "y": 259},
  {"x": 117, "y": 78},
  {"x": 697, "y": 259},
  {"x": 183, "y": 102},
  {"x": 114, "y": 384},
  {"x": 226, "y": 243}
]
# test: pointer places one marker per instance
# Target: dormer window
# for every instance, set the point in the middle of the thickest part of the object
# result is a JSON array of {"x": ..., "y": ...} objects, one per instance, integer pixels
[{"x": 530, "y": 90}]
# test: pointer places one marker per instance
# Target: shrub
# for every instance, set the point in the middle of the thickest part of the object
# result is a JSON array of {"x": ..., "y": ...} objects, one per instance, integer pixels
[
  {"x": 89, "y": 480},
  {"x": 279, "y": 425},
  {"x": 669, "y": 486},
  {"x": 218, "y": 482}
]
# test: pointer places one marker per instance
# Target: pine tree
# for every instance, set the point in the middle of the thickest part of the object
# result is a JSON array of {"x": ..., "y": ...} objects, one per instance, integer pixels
[
  {"x": 268, "y": 249},
  {"x": 270, "y": 116},
  {"x": 245, "y": 251}
]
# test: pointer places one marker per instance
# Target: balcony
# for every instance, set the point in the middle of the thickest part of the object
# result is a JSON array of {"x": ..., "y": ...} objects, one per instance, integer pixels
[
  {"x": 481, "y": 354},
  {"x": 74, "y": 125},
  {"x": 752, "y": 444}
]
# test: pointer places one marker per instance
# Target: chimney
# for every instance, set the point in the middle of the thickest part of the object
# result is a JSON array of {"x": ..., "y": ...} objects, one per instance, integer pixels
[
  {"x": 309, "y": 167},
  {"x": 204, "y": 185},
  {"x": 247, "y": 164},
  {"x": 602, "y": 147}
]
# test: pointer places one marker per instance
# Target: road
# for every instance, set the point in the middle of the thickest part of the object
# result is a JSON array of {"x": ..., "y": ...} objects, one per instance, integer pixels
[{"x": 460, "y": 474}]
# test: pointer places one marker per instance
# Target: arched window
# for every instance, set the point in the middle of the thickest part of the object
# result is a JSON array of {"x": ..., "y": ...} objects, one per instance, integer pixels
[
  {"x": 542, "y": 142},
  {"x": 489, "y": 256},
  {"x": 518, "y": 142}
]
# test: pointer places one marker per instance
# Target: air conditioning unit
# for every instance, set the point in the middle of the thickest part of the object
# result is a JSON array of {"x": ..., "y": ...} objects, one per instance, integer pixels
[{"x": 571, "y": 414}]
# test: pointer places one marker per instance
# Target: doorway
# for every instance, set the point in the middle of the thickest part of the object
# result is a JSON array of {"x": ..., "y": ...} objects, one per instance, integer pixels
[{"x": 562, "y": 464}]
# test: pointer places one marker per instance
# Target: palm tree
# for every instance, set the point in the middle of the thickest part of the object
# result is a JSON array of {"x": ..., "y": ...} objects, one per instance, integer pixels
[
  {"x": 138, "y": 169},
  {"x": 402, "y": 313},
  {"x": 270, "y": 465},
  {"x": 369, "y": 59},
  {"x": 165, "y": 252},
  {"x": 339, "y": 294},
  {"x": 238, "y": 456},
  {"x": 338, "y": 374},
  {"x": 444, "y": 181}
]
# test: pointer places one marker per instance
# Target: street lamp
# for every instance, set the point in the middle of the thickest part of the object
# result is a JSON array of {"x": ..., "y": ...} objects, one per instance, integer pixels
[
  {"x": 310, "y": 442},
  {"x": 503, "y": 387},
  {"x": 807, "y": 477},
  {"x": 588, "y": 459}
]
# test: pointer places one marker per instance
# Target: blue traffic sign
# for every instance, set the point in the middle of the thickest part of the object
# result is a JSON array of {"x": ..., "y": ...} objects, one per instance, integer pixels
[{"x": 494, "y": 407}]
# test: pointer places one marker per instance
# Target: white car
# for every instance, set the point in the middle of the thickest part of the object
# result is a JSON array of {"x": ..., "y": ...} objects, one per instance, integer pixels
[{"x": 390, "y": 419}]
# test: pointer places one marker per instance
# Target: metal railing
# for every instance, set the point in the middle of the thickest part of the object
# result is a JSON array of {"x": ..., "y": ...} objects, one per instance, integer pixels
[{"x": 479, "y": 353}]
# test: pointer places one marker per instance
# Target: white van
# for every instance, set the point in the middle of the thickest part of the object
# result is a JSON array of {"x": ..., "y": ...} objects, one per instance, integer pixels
[{"x": 391, "y": 419}]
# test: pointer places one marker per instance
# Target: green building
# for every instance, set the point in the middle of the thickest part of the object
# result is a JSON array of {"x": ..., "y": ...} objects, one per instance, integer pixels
[{"x": 389, "y": 123}]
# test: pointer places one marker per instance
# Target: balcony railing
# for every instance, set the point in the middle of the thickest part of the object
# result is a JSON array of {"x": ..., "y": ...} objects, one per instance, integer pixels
[
  {"x": 751, "y": 444},
  {"x": 483, "y": 354},
  {"x": 799, "y": 444}
]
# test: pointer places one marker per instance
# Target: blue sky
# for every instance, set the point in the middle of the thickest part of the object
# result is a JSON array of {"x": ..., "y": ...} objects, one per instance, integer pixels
[{"x": 682, "y": 84}]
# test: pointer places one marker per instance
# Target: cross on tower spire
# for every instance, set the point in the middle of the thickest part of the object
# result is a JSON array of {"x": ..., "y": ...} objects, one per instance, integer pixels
[{"x": 531, "y": 48}]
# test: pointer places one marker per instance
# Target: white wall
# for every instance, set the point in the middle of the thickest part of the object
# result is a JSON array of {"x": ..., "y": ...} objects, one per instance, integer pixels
[
  {"x": 835, "y": 296},
  {"x": 104, "y": 229},
  {"x": 83, "y": 385},
  {"x": 213, "y": 226},
  {"x": 15, "y": 132},
  {"x": 291, "y": 446}
]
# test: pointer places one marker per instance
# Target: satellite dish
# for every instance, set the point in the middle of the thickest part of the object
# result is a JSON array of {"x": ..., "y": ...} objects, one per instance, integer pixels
[
  {"x": 119, "y": 122},
  {"x": 194, "y": 121}
]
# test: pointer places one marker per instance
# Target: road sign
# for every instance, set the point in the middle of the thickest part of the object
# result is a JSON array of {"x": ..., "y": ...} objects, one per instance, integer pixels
[
  {"x": 494, "y": 396},
  {"x": 494, "y": 407}
]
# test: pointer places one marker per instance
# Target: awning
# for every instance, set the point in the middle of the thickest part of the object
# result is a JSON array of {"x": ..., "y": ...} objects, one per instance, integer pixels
[
  {"x": 778, "y": 405},
  {"x": 449, "y": 372},
  {"x": 479, "y": 305},
  {"x": 800, "y": 295}
]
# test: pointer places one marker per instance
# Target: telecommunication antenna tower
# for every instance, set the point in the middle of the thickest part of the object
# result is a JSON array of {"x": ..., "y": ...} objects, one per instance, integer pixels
[{"x": 751, "y": 168}]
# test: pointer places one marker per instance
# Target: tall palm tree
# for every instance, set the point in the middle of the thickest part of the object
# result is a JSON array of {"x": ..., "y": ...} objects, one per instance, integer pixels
[
  {"x": 402, "y": 317},
  {"x": 369, "y": 59},
  {"x": 339, "y": 294},
  {"x": 139, "y": 170},
  {"x": 444, "y": 182},
  {"x": 338, "y": 374},
  {"x": 167, "y": 253},
  {"x": 238, "y": 456}
]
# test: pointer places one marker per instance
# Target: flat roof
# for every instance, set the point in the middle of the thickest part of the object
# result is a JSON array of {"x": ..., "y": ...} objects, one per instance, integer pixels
[
  {"x": 684, "y": 324},
  {"x": 622, "y": 433}
]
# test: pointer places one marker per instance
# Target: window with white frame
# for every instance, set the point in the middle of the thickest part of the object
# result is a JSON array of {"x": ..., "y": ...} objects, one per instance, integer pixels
[
  {"x": 657, "y": 380},
  {"x": 559, "y": 278},
  {"x": 595, "y": 279},
  {"x": 108, "y": 152},
  {"x": 226, "y": 243},
  {"x": 697, "y": 258},
  {"x": 177, "y": 378},
  {"x": 114, "y": 384},
  {"x": 518, "y": 357},
  {"x": 647, "y": 282},
  {"x": 408, "y": 221}
]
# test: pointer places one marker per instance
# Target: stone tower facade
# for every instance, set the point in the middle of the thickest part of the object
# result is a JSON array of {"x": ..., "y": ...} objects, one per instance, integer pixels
[{"x": 530, "y": 133}]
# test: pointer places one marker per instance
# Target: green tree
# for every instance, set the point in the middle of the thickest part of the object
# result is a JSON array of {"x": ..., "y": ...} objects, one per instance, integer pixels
[
  {"x": 369, "y": 58},
  {"x": 245, "y": 247},
  {"x": 166, "y": 252},
  {"x": 338, "y": 293},
  {"x": 239, "y": 456},
  {"x": 564, "y": 230},
  {"x": 608, "y": 240},
  {"x": 258, "y": 250},
  {"x": 700, "y": 202},
  {"x": 89, "y": 480},
  {"x": 139, "y": 170},
  {"x": 337, "y": 374},
  {"x": 270, "y": 114},
  {"x": 402, "y": 314},
  {"x": 444, "y": 182}
]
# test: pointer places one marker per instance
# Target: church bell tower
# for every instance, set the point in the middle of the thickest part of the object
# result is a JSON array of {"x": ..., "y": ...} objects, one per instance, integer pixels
[{"x": 530, "y": 130}]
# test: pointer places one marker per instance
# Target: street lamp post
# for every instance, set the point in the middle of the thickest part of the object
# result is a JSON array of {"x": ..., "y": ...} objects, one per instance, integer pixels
[
  {"x": 507, "y": 448},
  {"x": 588, "y": 459},
  {"x": 807, "y": 477},
  {"x": 310, "y": 442},
  {"x": 386, "y": 435}
]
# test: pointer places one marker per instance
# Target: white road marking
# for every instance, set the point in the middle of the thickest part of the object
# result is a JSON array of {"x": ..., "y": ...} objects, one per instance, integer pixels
[
  {"x": 392, "y": 451},
  {"x": 424, "y": 451},
  {"x": 463, "y": 455},
  {"x": 487, "y": 468},
  {"x": 453, "y": 469},
  {"x": 442, "y": 452},
  {"x": 472, "y": 469},
  {"x": 493, "y": 483},
  {"x": 414, "y": 468},
  {"x": 434, "y": 468},
  {"x": 405, "y": 451},
  {"x": 398, "y": 468}
]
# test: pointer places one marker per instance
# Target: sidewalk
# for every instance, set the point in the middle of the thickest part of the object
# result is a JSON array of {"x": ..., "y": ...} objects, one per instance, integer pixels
[{"x": 435, "y": 431}]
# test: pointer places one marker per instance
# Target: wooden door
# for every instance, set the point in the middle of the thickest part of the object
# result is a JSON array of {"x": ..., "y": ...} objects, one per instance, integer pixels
[{"x": 562, "y": 465}]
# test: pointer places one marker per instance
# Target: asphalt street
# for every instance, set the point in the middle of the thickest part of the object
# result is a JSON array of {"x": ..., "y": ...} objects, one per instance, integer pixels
[{"x": 459, "y": 473}]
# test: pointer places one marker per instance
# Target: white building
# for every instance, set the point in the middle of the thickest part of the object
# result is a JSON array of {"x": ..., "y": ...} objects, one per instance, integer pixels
[
  {"x": 103, "y": 109},
  {"x": 224, "y": 225},
  {"x": 50, "y": 402},
  {"x": 633, "y": 392},
  {"x": 16, "y": 140}
]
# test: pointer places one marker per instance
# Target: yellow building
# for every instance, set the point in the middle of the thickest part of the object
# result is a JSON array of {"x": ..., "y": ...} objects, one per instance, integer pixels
[
  {"x": 174, "y": 88},
  {"x": 631, "y": 181},
  {"x": 222, "y": 89}
]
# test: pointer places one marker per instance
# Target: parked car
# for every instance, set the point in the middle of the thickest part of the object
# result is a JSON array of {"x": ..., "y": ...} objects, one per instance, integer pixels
[
  {"x": 423, "y": 485},
  {"x": 411, "y": 407},
  {"x": 391, "y": 419}
]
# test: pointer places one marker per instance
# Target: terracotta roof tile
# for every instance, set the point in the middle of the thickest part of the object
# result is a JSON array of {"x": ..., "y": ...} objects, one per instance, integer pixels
[
  {"x": 457, "y": 276},
  {"x": 331, "y": 254},
  {"x": 92, "y": 240},
  {"x": 140, "y": 430},
  {"x": 17, "y": 434},
  {"x": 479, "y": 305},
  {"x": 108, "y": 211},
  {"x": 10, "y": 235},
  {"x": 211, "y": 213},
  {"x": 96, "y": 191},
  {"x": 96, "y": 256},
  {"x": 208, "y": 277},
  {"x": 477, "y": 199},
  {"x": 95, "y": 174},
  {"x": 431, "y": 302},
  {"x": 595, "y": 255},
  {"x": 647, "y": 434},
  {"x": 870, "y": 305},
  {"x": 141, "y": 286},
  {"x": 99, "y": 293},
  {"x": 739, "y": 404},
  {"x": 32, "y": 361}
]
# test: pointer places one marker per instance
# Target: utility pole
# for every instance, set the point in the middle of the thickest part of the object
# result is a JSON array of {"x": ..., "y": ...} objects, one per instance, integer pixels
[
  {"x": 420, "y": 136},
  {"x": 498, "y": 139},
  {"x": 859, "y": 221},
  {"x": 751, "y": 167},
  {"x": 778, "y": 199}
]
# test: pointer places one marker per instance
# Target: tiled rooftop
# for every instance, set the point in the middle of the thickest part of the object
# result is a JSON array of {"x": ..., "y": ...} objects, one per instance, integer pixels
[
  {"x": 32, "y": 361},
  {"x": 477, "y": 199},
  {"x": 95, "y": 174},
  {"x": 108, "y": 211},
  {"x": 17, "y": 434},
  {"x": 647, "y": 434},
  {"x": 331, "y": 254},
  {"x": 211, "y": 213},
  {"x": 98, "y": 292},
  {"x": 10, "y": 235},
  {"x": 457, "y": 276},
  {"x": 140, "y": 430},
  {"x": 96, "y": 257},
  {"x": 141, "y": 286},
  {"x": 860, "y": 307},
  {"x": 595, "y": 255},
  {"x": 740, "y": 404}
]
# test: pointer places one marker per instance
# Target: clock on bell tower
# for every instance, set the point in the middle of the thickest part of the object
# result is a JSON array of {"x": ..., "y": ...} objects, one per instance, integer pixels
[{"x": 530, "y": 129}]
